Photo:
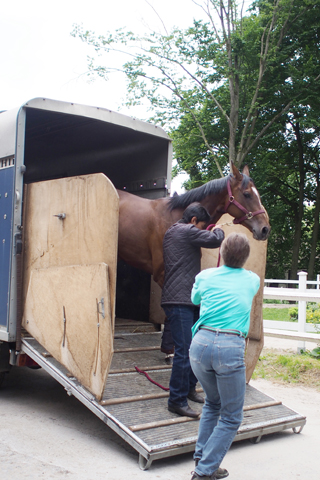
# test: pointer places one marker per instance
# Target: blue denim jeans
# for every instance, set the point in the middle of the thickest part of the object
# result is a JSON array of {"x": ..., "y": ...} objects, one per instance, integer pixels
[
  {"x": 181, "y": 318},
  {"x": 217, "y": 360}
]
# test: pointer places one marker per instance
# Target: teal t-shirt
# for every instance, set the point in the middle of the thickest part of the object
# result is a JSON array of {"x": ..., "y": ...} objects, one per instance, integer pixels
[{"x": 225, "y": 297}]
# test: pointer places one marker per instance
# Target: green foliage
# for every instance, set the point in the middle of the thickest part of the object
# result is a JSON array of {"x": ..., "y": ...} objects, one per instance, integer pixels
[
  {"x": 313, "y": 313},
  {"x": 215, "y": 76},
  {"x": 290, "y": 314},
  {"x": 315, "y": 352},
  {"x": 293, "y": 313},
  {"x": 240, "y": 88}
]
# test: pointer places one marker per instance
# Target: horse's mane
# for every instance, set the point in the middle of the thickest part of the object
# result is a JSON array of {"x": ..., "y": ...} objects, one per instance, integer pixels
[{"x": 197, "y": 194}]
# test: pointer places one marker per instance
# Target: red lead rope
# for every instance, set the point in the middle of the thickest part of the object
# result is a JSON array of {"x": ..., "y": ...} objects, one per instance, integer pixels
[
  {"x": 210, "y": 227},
  {"x": 150, "y": 379}
]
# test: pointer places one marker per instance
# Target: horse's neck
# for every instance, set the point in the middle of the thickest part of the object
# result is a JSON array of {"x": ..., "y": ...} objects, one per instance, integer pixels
[
  {"x": 215, "y": 204},
  {"x": 175, "y": 215}
]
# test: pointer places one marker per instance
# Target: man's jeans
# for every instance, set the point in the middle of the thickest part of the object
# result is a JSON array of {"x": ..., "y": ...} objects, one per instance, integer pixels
[
  {"x": 182, "y": 319},
  {"x": 217, "y": 360}
]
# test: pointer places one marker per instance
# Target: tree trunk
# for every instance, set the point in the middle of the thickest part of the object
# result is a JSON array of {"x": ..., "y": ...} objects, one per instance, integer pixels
[
  {"x": 299, "y": 214},
  {"x": 234, "y": 106},
  {"x": 315, "y": 233}
]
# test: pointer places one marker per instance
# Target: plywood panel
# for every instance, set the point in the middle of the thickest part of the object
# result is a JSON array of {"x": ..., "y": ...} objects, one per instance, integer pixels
[
  {"x": 88, "y": 234},
  {"x": 256, "y": 263},
  {"x": 71, "y": 222},
  {"x": 63, "y": 312}
]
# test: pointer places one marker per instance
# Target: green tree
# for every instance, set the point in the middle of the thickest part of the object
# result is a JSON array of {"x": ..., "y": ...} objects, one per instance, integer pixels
[
  {"x": 290, "y": 176},
  {"x": 285, "y": 162},
  {"x": 236, "y": 88},
  {"x": 295, "y": 151},
  {"x": 223, "y": 67}
]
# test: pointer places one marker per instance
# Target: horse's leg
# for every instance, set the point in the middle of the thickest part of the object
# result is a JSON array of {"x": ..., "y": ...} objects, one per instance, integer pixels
[{"x": 167, "y": 345}]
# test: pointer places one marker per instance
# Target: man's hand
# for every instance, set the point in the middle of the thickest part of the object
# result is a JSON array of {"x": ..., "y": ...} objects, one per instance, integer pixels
[{"x": 212, "y": 227}]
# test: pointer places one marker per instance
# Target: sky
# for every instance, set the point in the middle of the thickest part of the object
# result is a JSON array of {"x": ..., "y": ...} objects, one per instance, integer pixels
[{"x": 40, "y": 58}]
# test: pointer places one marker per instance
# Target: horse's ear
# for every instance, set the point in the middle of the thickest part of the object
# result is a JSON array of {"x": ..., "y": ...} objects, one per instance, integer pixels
[
  {"x": 235, "y": 171},
  {"x": 246, "y": 170}
]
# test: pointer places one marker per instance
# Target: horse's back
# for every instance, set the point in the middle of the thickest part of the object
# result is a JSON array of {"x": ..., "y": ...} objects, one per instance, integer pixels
[{"x": 142, "y": 224}]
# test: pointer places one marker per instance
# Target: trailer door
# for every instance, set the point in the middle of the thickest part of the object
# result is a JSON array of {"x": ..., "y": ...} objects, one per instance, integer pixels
[
  {"x": 69, "y": 274},
  {"x": 6, "y": 221}
]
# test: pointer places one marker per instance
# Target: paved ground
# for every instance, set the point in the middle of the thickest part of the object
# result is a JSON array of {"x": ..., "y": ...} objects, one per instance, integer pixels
[
  {"x": 287, "y": 345},
  {"x": 45, "y": 434}
]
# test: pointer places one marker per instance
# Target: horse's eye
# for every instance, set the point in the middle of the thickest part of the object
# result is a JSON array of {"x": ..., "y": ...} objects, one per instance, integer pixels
[{"x": 246, "y": 194}]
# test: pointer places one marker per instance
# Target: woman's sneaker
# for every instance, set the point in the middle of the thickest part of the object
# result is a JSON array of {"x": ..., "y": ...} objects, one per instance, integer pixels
[
  {"x": 195, "y": 476},
  {"x": 220, "y": 473}
]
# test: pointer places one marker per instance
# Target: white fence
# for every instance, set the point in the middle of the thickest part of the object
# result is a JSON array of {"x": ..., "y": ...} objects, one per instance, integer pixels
[{"x": 300, "y": 331}]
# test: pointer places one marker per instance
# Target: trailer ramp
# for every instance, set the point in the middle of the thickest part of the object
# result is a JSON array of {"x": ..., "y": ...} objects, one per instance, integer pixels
[{"x": 136, "y": 409}]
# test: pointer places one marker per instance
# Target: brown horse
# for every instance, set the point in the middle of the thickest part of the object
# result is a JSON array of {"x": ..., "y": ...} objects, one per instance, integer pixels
[{"x": 143, "y": 222}]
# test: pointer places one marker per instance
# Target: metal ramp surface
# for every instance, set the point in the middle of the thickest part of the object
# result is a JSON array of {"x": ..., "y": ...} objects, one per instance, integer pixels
[{"x": 136, "y": 409}]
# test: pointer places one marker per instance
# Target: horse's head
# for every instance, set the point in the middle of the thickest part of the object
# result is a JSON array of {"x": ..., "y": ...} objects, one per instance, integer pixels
[{"x": 244, "y": 204}]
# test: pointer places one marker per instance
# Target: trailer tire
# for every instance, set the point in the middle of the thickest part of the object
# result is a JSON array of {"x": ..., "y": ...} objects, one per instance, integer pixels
[{"x": 2, "y": 374}]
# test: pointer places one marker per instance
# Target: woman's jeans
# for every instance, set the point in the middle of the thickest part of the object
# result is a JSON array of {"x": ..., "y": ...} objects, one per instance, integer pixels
[
  {"x": 181, "y": 318},
  {"x": 217, "y": 360}
]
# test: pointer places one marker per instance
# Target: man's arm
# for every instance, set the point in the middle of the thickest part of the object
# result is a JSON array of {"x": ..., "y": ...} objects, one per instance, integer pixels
[{"x": 206, "y": 239}]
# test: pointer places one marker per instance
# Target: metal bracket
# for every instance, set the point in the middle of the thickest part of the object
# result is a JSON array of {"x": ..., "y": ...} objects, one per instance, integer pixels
[
  {"x": 68, "y": 389},
  {"x": 102, "y": 312},
  {"x": 144, "y": 463}
]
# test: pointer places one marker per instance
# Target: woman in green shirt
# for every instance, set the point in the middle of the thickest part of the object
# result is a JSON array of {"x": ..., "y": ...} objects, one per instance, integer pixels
[{"x": 225, "y": 296}]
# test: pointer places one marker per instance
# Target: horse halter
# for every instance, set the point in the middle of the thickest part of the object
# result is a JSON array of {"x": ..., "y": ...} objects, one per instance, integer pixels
[{"x": 248, "y": 215}]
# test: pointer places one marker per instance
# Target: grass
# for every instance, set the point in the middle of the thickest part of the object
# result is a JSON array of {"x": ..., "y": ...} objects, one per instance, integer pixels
[
  {"x": 280, "y": 314},
  {"x": 288, "y": 368},
  {"x": 275, "y": 302}
]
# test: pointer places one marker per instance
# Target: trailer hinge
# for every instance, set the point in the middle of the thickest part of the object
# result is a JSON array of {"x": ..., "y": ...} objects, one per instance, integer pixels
[{"x": 18, "y": 243}]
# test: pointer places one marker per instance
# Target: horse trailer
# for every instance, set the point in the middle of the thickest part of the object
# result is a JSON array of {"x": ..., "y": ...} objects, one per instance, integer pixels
[{"x": 66, "y": 303}]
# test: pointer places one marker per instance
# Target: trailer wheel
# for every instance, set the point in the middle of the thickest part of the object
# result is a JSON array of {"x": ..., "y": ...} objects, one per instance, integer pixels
[
  {"x": 144, "y": 463},
  {"x": 2, "y": 374}
]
